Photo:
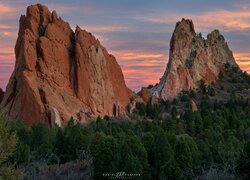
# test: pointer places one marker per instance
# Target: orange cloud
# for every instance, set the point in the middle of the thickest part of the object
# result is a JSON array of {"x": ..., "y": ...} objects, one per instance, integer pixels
[
  {"x": 6, "y": 9},
  {"x": 242, "y": 56},
  {"x": 131, "y": 55},
  {"x": 8, "y": 33},
  {"x": 243, "y": 60},
  {"x": 141, "y": 67},
  {"x": 4, "y": 26},
  {"x": 7, "y": 57}
]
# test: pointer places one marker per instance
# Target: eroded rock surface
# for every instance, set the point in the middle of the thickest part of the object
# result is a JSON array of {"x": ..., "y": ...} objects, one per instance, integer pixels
[
  {"x": 192, "y": 59},
  {"x": 147, "y": 96},
  {"x": 61, "y": 73}
]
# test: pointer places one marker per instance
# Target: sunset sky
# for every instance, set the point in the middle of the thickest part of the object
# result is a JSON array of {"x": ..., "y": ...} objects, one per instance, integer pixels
[{"x": 137, "y": 32}]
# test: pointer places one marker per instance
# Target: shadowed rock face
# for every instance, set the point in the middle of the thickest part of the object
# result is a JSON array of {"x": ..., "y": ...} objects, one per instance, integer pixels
[
  {"x": 192, "y": 59},
  {"x": 1, "y": 95},
  {"x": 147, "y": 96},
  {"x": 60, "y": 73}
]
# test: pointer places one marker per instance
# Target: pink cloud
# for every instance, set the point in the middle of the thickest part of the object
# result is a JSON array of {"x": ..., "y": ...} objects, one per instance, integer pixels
[{"x": 238, "y": 19}]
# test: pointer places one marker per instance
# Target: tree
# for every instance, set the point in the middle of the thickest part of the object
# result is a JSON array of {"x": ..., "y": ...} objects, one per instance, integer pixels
[
  {"x": 203, "y": 87},
  {"x": 8, "y": 141},
  {"x": 184, "y": 165},
  {"x": 163, "y": 155},
  {"x": 106, "y": 157},
  {"x": 221, "y": 75},
  {"x": 43, "y": 139},
  {"x": 71, "y": 142}
]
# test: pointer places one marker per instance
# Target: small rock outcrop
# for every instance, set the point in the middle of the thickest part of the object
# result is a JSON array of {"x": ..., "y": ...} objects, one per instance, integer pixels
[
  {"x": 1, "y": 95},
  {"x": 193, "y": 106},
  {"x": 192, "y": 59},
  {"x": 147, "y": 96},
  {"x": 60, "y": 73}
]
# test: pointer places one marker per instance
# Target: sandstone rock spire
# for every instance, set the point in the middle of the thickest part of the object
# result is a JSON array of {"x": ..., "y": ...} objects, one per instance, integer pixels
[
  {"x": 61, "y": 73},
  {"x": 192, "y": 59}
]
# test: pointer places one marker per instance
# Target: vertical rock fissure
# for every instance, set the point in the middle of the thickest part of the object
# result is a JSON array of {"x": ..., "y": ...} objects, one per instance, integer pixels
[{"x": 73, "y": 65}]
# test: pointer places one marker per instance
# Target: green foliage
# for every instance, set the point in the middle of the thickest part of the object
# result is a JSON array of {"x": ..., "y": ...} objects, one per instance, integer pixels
[
  {"x": 149, "y": 110},
  {"x": 211, "y": 91},
  {"x": 184, "y": 96},
  {"x": 227, "y": 65},
  {"x": 192, "y": 94},
  {"x": 179, "y": 146},
  {"x": 221, "y": 75},
  {"x": 8, "y": 141},
  {"x": 183, "y": 159},
  {"x": 203, "y": 87}
]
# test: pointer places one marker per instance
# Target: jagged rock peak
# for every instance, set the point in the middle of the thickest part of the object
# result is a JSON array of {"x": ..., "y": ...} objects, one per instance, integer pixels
[
  {"x": 60, "y": 74},
  {"x": 192, "y": 59},
  {"x": 186, "y": 25}
]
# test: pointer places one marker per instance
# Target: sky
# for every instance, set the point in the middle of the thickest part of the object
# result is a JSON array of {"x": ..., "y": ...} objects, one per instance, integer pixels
[{"x": 136, "y": 32}]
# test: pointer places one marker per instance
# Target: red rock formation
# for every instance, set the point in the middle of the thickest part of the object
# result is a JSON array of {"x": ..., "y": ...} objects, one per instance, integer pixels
[
  {"x": 192, "y": 59},
  {"x": 147, "y": 96},
  {"x": 1, "y": 95},
  {"x": 60, "y": 73}
]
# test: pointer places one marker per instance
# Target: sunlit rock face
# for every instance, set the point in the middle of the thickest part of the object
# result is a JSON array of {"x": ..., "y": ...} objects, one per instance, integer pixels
[
  {"x": 61, "y": 73},
  {"x": 193, "y": 106},
  {"x": 192, "y": 59}
]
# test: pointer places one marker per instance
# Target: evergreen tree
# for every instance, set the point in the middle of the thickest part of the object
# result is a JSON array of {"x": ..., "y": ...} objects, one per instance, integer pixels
[
  {"x": 184, "y": 165},
  {"x": 8, "y": 141}
]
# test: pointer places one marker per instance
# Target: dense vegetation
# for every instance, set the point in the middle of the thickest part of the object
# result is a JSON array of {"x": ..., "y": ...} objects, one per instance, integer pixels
[
  {"x": 182, "y": 144},
  {"x": 8, "y": 142},
  {"x": 176, "y": 147}
]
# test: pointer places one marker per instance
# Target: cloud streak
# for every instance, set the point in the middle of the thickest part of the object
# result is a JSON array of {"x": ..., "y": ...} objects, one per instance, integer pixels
[{"x": 225, "y": 20}]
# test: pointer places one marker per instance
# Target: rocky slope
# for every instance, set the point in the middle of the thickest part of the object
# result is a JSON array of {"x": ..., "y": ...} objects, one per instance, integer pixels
[
  {"x": 192, "y": 59},
  {"x": 60, "y": 73}
]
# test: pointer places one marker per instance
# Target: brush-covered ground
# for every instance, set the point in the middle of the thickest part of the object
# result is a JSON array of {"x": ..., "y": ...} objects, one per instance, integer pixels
[{"x": 163, "y": 141}]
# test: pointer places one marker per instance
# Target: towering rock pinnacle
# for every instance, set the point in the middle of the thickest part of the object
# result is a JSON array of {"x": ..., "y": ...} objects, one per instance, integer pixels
[
  {"x": 192, "y": 59},
  {"x": 60, "y": 73}
]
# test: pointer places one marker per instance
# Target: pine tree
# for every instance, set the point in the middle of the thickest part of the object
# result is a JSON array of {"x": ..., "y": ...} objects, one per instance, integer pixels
[{"x": 8, "y": 141}]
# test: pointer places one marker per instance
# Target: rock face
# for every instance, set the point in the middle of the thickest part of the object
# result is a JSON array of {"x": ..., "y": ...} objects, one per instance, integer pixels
[
  {"x": 147, "y": 96},
  {"x": 60, "y": 74},
  {"x": 192, "y": 59},
  {"x": 1, "y": 95}
]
